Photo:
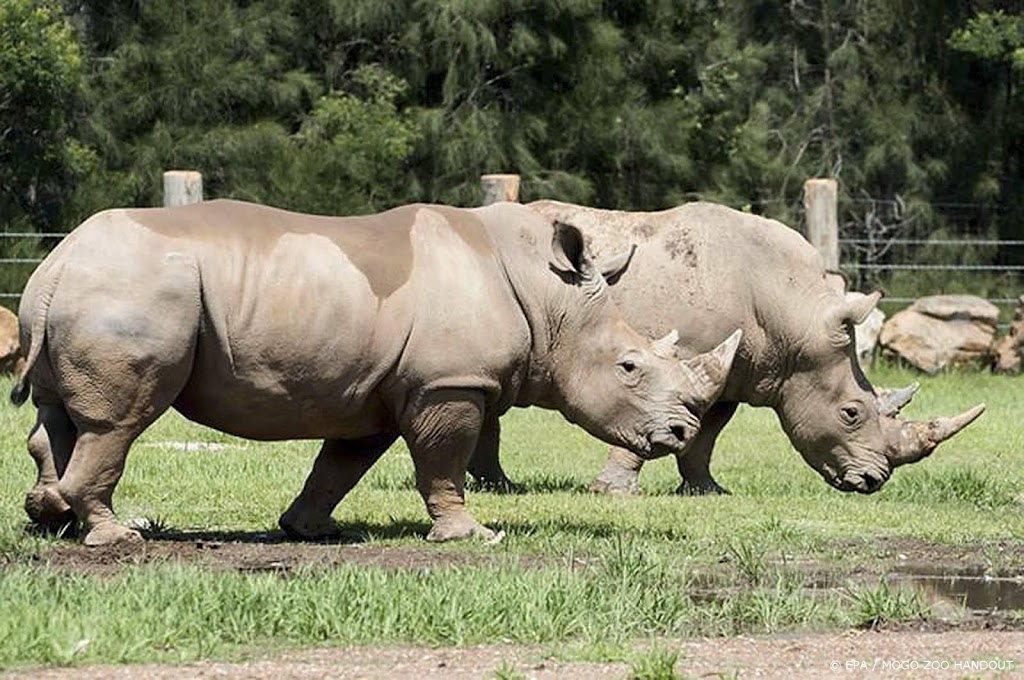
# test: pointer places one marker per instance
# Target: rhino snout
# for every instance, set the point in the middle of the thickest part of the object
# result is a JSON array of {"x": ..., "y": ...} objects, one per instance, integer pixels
[
  {"x": 862, "y": 481},
  {"x": 671, "y": 439}
]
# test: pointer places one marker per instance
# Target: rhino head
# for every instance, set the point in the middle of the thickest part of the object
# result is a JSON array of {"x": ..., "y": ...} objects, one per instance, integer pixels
[
  {"x": 615, "y": 383},
  {"x": 843, "y": 428}
]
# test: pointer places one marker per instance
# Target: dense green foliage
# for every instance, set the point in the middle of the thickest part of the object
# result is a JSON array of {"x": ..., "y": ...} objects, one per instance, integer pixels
[{"x": 350, "y": 106}]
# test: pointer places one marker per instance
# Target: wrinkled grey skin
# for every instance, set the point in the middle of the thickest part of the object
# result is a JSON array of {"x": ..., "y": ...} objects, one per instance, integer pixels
[
  {"x": 424, "y": 322},
  {"x": 707, "y": 269}
]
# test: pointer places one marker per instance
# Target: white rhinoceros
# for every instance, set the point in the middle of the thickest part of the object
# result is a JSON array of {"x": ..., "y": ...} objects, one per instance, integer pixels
[
  {"x": 425, "y": 322},
  {"x": 708, "y": 269}
]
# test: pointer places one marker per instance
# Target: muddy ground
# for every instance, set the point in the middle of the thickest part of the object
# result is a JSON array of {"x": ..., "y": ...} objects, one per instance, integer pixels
[{"x": 982, "y": 644}]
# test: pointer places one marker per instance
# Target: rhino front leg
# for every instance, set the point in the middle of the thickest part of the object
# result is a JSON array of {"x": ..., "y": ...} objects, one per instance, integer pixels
[
  {"x": 442, "y": 427},
  {"x": 339, "y": 466},
  {"x": 620, "y": 473},
  {"x": 485, "y": 465},
  {"x": 50, "y": 444},
  {"x": 695, "y": 462}
]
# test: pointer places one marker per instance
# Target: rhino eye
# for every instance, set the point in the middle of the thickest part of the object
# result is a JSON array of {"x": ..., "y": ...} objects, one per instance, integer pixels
[
  {"x": 627, "y": 366},
  {"x": 850, "y": 414}
]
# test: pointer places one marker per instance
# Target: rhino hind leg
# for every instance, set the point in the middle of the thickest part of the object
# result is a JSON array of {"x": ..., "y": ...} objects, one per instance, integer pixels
[
  {"x": 441, "y": 427},
  {"x": 120, "y": 364},
  {"x": 88, "y": 485},
  {"x": 695, "y": 463},
  {"x": 485, "y": 464},
  {"x": 338, "y": 467},
  {"x": 50, "y": 444}
]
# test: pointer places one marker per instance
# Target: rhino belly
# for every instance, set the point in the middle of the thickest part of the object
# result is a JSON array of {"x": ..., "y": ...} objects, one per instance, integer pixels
[{"x": 307, "y": 401}]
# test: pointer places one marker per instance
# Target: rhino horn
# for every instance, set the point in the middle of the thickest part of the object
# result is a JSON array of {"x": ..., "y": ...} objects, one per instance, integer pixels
[
  {"x": 711, "y": 369},
  {"x": 891, "y": 401},
  {"x": 917, "y": 439},
  {"x": 666, "y": 346}
]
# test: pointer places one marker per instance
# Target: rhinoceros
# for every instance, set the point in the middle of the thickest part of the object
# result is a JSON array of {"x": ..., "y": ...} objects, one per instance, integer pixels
[
  {"x": 425, "y": 322},
  {"x": 708, "y": 269}
]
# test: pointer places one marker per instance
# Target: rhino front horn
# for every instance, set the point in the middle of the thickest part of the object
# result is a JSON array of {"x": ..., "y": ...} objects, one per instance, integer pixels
[
  {"x": 710, "y": 370},
  {"x": 917, "y": 439}
]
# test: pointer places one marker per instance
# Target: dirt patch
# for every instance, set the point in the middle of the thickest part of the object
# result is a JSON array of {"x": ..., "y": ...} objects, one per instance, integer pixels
[
  {"x": 257, "y": 553},
  {"x": 905, "y": 654},
  {"x": 275, "y": 552}
]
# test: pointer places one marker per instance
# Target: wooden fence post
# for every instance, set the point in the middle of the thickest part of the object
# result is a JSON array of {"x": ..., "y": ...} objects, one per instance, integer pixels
[
  {"x": 182, "y": 187},
  {"x": 499, "y": 188},
  {"x": 822, "y": 215}
]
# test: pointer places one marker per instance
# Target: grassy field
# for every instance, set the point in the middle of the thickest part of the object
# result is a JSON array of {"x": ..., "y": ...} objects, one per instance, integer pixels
[{"x": 588, "y": 575}]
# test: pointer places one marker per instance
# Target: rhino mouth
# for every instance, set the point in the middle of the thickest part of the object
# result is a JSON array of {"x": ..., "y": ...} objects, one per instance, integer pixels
[
  {"x": 671, "y": 439},
  {"x": 861, "y": 481}
]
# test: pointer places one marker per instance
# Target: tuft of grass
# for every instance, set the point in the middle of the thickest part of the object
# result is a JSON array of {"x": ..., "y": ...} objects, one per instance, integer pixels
[
  {"x": 659, "y": 663},
  {"x": 886, "y": 603},
  {"x": 749, "y": 558},
  {"x": 506, "y": 670}
]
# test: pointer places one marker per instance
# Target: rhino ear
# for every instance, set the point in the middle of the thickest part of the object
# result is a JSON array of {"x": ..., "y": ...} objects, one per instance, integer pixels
[
  {"x": 852, "y": 310},
  {"x": 568, "y": 250},
  {"x": 613, "y": 268}
]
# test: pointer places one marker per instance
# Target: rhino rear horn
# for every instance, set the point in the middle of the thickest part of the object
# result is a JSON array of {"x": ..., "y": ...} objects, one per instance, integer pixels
[
  {"x": 711, "y": 369},
  {"x": 666, "y": 346},
  {"x": 890, "y": 402},
  {"x": 917, "y": 439}
]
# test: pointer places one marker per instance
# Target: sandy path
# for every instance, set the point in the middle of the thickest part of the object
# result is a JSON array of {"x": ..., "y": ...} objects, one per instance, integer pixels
[{"x": 854, "y": 654}]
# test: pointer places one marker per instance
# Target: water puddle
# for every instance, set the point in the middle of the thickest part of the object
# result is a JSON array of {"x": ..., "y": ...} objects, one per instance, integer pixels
[{"x": 968, "y": 586}]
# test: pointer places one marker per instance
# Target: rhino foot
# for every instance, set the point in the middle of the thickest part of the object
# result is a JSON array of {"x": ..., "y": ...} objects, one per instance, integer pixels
[
  {"x": 705, "y": 488},
  {"x": 460, "y": 527},
  {"x": 47, "y": 509},
  {"x": 307, "y": 529},
  {"x": 112, "y": 533},
  {"x": 502, "y": 485},
  {"x": 616, "y": 482}
]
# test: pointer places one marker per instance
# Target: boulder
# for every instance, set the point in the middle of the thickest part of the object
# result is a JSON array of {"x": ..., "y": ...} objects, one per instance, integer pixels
[
  {"x": 942, "y": 331},
  {"x": 8, "y": 340},
  {"x": 1009, "y": 349}
]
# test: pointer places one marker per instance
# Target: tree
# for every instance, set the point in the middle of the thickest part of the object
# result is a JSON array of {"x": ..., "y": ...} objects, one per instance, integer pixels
[
  {"x": 994, "y": 43},
  {"x": 40, "y": 99}
]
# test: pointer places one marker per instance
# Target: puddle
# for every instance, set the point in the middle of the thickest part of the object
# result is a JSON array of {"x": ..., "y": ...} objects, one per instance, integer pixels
[{"x": 968, "y": 586}]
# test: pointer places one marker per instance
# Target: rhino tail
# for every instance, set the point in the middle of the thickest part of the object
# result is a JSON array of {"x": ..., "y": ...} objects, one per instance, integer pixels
[{"x": 22, "y": 388}]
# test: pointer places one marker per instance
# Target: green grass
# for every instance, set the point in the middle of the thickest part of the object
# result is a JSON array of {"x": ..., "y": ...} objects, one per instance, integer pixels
[{"x": 588, "y": 575}]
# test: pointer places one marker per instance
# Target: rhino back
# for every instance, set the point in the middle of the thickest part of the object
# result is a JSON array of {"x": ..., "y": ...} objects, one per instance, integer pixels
[{"x": 707, "y": 270}]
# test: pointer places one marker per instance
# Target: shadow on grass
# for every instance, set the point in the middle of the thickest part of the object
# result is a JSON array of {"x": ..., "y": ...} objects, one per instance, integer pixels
[
  {"x": 353, "y": 533},
  {"x": 542, "y": 484},
  {"x": 348, "y": 534}
]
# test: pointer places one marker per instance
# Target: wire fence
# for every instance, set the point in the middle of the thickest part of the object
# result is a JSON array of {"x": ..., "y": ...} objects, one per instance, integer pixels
[{"x": 939, "y": 265}]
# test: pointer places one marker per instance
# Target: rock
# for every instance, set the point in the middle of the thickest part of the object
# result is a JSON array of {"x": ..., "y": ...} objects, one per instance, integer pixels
[
  {"x": 1009, "y": 349},
  {"x": 942, "y": 331},
  {"x": 8, "y": 340}
]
